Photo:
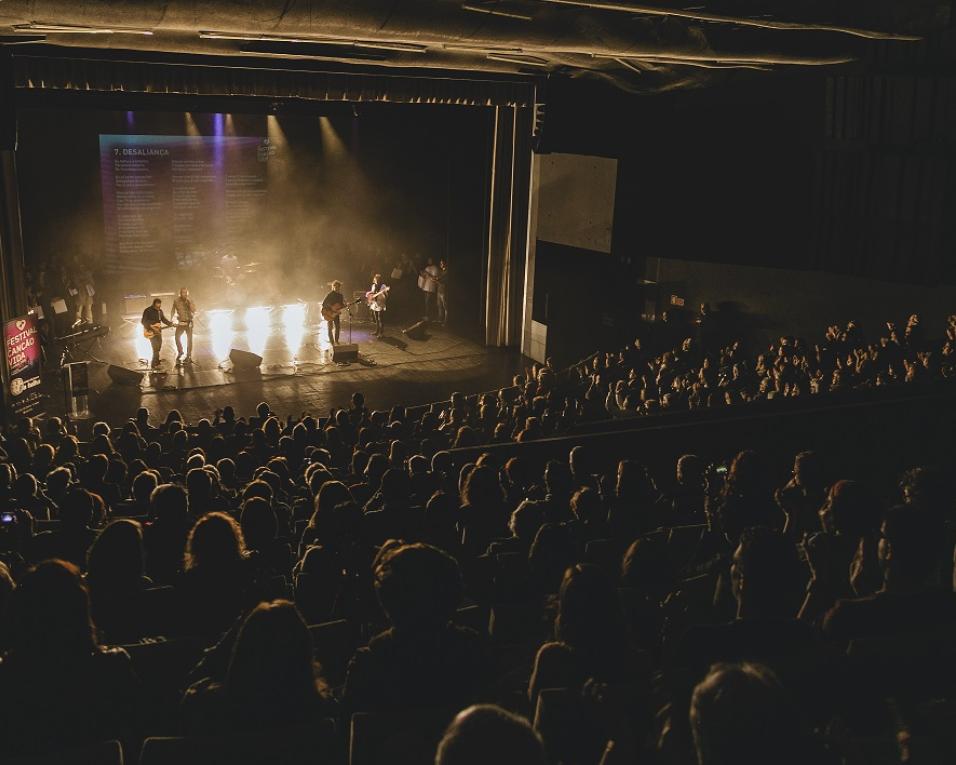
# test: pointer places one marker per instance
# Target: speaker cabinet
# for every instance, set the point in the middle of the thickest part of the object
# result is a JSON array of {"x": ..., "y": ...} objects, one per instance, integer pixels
[
  {"x": 417, "y": 331},
  {"x": 244, "y": 359},
  {"x": 342, "y": 354},
  {"x": 124, "y": 376}
]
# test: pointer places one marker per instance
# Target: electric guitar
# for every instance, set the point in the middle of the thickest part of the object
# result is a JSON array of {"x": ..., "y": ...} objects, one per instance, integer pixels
[
  {"x": 149, "y": 332},
  {"x": 377, "y": 297},
  {"x": 331, "y": 312}
]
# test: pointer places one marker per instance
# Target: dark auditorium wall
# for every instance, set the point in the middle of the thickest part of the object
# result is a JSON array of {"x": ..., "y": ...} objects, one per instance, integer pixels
[
  {"x": 774, "y": 301},
  {"x": 719, "y": 174},
  {"x": 791, "y": 197}
]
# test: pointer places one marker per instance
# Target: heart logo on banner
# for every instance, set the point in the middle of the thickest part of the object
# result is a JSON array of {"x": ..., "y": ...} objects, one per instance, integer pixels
[{"x": 21, "y": 324}]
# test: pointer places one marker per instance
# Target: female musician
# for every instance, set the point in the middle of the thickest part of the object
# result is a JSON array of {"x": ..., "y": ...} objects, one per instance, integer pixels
[{"x": 376, "y": 296}]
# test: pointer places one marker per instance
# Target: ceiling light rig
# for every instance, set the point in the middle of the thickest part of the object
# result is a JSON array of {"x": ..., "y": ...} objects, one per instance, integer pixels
[
  {"x": 386, "y": 45},
  {"x": 78, "y": 29},
  {"x": 516, "y": 58},
  {"x": 494, "y": 9}
]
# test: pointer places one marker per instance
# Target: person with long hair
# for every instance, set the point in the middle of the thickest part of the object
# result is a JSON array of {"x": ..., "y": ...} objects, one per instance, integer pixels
[
  {"x": 116, "y": 577},
  {"x": 483, "y": 515},
  {"x": 217, "y": 575},
  {"x": 271, "y": 680},
  {"x": 61, "y": 688}
]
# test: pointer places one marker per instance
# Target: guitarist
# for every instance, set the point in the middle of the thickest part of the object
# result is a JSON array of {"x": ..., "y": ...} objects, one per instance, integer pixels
[
  {"x": 184, "y": 310},
  {"x": 333, "y": 303},
  {"x": 376, "y": 297},
  {"x": 153, "y": 321}
]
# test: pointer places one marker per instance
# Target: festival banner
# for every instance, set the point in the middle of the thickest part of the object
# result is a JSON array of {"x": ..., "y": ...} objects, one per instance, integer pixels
[{"x": 22, "y": 342}]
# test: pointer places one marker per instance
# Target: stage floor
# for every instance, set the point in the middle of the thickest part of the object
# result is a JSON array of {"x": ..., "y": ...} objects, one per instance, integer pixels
[{"x": 297, "y": 373}]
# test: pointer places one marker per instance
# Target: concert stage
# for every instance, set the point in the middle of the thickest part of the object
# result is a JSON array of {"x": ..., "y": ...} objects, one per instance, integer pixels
[{"x": 298, "y": 372}]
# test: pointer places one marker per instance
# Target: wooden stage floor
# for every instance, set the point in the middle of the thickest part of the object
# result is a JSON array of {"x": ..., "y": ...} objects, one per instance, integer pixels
[{"x": 395, "y": 369}]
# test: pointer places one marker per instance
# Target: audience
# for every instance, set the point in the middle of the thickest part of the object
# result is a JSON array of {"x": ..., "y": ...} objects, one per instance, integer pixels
[{"x": 710, "y": 612}]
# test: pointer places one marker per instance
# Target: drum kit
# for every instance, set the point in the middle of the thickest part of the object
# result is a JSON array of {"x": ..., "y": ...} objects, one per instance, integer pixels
[{"x": 234, "y": 274}]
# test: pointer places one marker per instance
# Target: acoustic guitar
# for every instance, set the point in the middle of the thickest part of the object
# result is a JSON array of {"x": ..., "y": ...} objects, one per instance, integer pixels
[
  {"x": 331, "y": 312},
  {"x": 377, "y": 297}
]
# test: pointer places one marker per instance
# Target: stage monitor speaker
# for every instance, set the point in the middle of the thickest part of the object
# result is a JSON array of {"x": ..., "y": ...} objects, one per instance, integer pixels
[
  {"x": 417, "y": 331},
  {"x": 124, "y": 376},
  {"x": 244, "y": 359},
  {"x": 342, "y": 354}
]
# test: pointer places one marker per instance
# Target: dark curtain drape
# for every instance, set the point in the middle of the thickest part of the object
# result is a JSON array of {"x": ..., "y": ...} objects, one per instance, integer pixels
[{"x": 507, "y": 239}]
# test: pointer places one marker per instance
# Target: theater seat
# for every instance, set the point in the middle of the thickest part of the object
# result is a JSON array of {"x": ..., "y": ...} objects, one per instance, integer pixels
[
  {"x": 161, "y": 668},
  {"x": 333, "y": 644},
  {"x": 305, "y": 745},
  {"x": 315, "y": 597},
  {"x": 106, "y": 753}
]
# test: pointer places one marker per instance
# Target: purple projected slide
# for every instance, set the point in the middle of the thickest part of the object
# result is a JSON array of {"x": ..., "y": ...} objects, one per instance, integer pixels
[{"x": 180, "y": 202}]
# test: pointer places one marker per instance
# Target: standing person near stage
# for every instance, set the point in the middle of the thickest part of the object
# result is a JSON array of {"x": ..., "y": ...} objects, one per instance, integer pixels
[
  {"x": 184, "y": 310},
  {"x": 429, "y": 285},
  {"x": 332, "y": 306},
  {"x": 153, "y": 321},
  {"x": 442, "y": 287},
  {"x": 80, "y": 285},
  {"x": 376, "y": 296}
]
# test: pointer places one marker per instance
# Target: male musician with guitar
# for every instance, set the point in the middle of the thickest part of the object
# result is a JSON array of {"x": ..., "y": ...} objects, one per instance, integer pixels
[
  {"x": 153, "y": 322},
  {"x": 332, "y": 307},
  {"x": 184, "y": 311},
  {"x": 376, "y": 297}
]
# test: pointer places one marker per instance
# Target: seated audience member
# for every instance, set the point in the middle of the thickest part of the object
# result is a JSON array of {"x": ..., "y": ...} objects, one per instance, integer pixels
[
  {"x": 645, "y": 580},
  {"x": 907, "y": 601},
  {"x": 558, "y": 488},
  {"x": 590, "y": 517},
  {"x": 524, "y": 524},
  {"x": 803, "y": 496},
  {"x": 740, "y": 715},
  {"x": 591, "y": 639},
  {"x": 116, "y": 578},
  {"x": 61, "y": 688},
  {"x": 850, "y": 519},
  {"x": 329, "y": 496},
  {"x": 484, "y": 734},
  {"x": 746, "y": 499},
  {"x": 71, "y": 540},
  {"x": 689, "y": 494},
  {"x": 271, "y": 680},
  {"x": 257, "y": 520},
  {"x": 482, "y": 516},
  {"x": 166, "y": 530},
  {"x": 142, "y": 489},
  {"x": 422, "y": 660},
  {"x": 28, "y": 496},
  {"x": 767, "y": 585},
  {"x": 393, "y": 516},
  {"x": 217, "y": 579},
  {"x": 635, "y": 506}
]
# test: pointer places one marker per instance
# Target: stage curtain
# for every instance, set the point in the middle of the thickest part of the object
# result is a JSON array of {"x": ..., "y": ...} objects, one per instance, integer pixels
[
  {"x": 506, "y": 242},
  {"x": 48, "y": 72}
]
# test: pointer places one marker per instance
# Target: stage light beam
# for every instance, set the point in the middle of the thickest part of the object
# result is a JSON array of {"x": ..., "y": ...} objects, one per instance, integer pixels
[
  {"x": 220, "y": 327},
  {"x": 332, "y": 144},
  {"x": 257, "y": 328},
  {"x": 192, "y": 128},
  {"x": 144, "y": 349},
  {"x": 293, "y": 323}
]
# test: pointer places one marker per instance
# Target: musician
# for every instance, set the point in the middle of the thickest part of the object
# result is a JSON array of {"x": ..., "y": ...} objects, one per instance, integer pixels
[
  {"x": 442, "y": 287},
  {"x": 184, "y": 311},
  {"x": 154, "y": 319},
  {"x": 334, "y": 301},
  {"x": 377, "y": 295},
  {"x": 429, "y": 285}
]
